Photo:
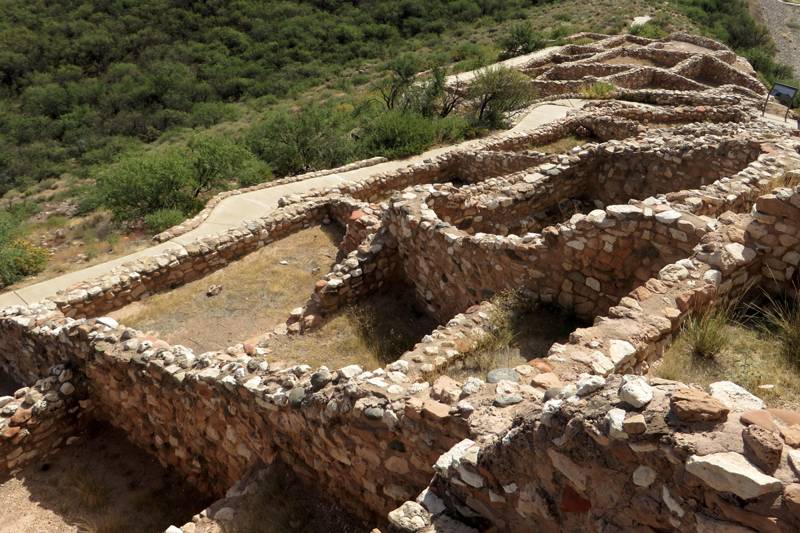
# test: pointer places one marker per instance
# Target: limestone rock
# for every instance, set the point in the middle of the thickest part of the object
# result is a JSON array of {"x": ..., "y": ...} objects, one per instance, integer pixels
[
  {"x": 644, "y": 476},
  {"x": 635, "y": 391},
  {"x": 615, "y": 419},
  {"x": 589, "y": 383},
  {"x": 735, "y": 397},
  {"x": 502, "y": 374},
  {"x": 731, "y": 472},
  {"x": 410, "y": 517}
]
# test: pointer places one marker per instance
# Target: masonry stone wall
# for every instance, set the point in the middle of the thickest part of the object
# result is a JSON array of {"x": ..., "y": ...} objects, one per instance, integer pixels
[
  {"x": 582, "y": 439},
  {"x": 599, "y": 458},
  {"x": 212, "y": 416},
  {"x": 41, "y": 419},
  {"x": 136, "y": 280},
  {"x": 585, "y": 265}
]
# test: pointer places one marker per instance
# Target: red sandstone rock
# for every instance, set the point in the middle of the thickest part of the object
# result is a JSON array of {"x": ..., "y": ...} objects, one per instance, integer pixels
[
  {"x": 20, "y": 417},
  {"x": 572, "y": 502},
  {"x": 791, "y": 499},
  {"x": 546, "y": 380},
  {"x": 760, "y": 417},
  {"x": 765, "y": 447},
  {"x": 9, "y": 432},
  {"x": 791, "y": 435},
  {"x": 435, "y": 409},
  {"x": 541, "y": 365},
  {"x": 788, "y": 417},
  {"x": 692, "y": 405}
]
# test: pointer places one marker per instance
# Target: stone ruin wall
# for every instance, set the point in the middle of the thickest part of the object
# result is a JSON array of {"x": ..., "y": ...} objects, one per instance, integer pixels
[
  {"x": 584, "y": 266},
  {"x": 134, "y": 281},
  {"x": 505, "y": 453},
  {"x": 212, "y": 418},
  {"x": 680, "y": 460}
]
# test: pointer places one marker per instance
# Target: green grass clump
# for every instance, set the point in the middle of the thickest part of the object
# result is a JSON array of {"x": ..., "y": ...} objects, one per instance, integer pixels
[
  {"x": 704, "y": 332},
  {"x": 598, "y": 91}
]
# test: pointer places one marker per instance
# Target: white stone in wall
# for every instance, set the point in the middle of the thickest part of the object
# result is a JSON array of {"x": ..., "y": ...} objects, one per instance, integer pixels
[
  {"x": 735, "y": 397},
  {"x": 731, "y": 472}
]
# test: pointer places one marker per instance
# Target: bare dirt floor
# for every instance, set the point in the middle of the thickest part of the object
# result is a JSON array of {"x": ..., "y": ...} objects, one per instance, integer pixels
[
  {"x": 284, "y": 503},
  {"x": 258, "y": 293},
  {"x": 371, "y": 333},
  {"x": 101, "y": 485},
  {"x": 627, "y": 60}
]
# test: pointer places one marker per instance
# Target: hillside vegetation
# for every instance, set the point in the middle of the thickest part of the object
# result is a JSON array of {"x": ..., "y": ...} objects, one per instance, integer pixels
[{"x": 137, "y": 112}]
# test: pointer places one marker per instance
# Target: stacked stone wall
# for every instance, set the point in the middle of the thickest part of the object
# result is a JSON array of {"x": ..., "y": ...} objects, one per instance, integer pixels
[{"x": 584, "y": 265}]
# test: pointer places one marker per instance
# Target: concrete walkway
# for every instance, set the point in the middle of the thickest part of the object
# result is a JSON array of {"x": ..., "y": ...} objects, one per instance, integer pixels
[{"x": 235, "y": 210}]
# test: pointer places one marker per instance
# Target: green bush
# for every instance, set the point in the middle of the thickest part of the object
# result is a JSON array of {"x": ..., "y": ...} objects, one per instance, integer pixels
[
  {"x": 398, "y": 134},
  {"x": 497, "y": 92},
  {"x": 175, "y": 178},
  {"x": 144, "y": 183},
  {"x": 253, "y": 172},
  {"x": 163, "y": 219},
  {"x": 520, "y": 39},
  {"x": 18, "y": 257},
  {"x": 312, "y": 138}
]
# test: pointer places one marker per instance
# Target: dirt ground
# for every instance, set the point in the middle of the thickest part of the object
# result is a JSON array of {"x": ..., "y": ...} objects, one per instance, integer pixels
[
  {"x": 627, "y": 60},
  {"x": 284, "y": 503},
  {"x": 85, "y": 241},
  {"x": 258, "y": 293},
  {"x": 376, "y": 331},
  {"x": 102, "y": 485}
]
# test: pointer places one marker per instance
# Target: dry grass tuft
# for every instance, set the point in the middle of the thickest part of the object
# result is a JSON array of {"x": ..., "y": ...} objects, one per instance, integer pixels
[
  {"x": 600, "y": 90},
  {"x": 561, "y": 146},
  {"x": 519, "y": 331},
  {"x": 704, "y": 332},
  {"x": 758, "y": 347},
  {"x": 90, "y": 491}
]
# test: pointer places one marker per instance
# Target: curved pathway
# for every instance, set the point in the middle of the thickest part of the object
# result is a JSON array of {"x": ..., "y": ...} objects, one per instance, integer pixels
[{"x": 235, "y": 210}]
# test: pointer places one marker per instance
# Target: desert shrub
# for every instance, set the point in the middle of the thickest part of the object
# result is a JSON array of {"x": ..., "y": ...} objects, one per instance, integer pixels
[
  {"x": 520, "y": 39},
  {"x": 782, "y": 322},
  {"x": 310, "y": 138},
  {"x": 598, "y": 91},
  {"x": 18, "y": 257},
  {"x": 398, "y": 134},
  {"x": 216, "y": 161},
  {"x": 651, "y": 30},
  {"x": 253, "y": 172},
  {"x": 704, "y": 332},
  {"x": 210, "y": 113},
  {"x": 174, "y": 178},
  {"x": 142, "y": 184},
  {"x": 163, "y": 219},
  {"x": 497, "y": 92},
  {"x": 399, "y": 77}
]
